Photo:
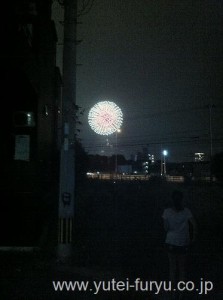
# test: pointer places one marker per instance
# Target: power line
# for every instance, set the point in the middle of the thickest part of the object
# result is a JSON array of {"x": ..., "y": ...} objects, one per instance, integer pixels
[
  {"x": 142, "y": 116},
  {"x": 204, "y": 141},
  {"x": 196, "y": 132}
]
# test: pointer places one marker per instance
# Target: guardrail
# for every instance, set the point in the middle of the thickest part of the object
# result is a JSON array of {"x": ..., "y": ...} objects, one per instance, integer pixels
[
  {"x": 175, "y": 178},
  {"x": 143, "y": 177},
  {"x": 108, "y": 176},
  {"x": 131, "y": 177}
]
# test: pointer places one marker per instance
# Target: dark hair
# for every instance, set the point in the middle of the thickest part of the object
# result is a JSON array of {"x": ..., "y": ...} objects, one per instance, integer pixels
[{"x": 177, "y": 197}]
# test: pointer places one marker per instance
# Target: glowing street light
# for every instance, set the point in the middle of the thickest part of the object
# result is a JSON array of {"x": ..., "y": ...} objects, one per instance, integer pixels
[{"x": 165, "y": 153}]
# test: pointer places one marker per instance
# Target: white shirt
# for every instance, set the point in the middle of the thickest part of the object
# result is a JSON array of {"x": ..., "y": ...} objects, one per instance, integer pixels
[{"x": 177, "y": 226}]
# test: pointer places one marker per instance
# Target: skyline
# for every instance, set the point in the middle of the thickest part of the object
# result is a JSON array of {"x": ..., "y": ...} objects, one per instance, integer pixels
[{"x": 161, "y": 64}]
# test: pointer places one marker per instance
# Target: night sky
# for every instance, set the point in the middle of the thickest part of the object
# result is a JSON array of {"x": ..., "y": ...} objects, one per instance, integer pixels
[{"x": 161, "y": 63}]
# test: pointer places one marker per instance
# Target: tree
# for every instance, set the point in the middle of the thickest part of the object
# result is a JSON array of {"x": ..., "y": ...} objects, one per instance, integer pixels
[
  {"x": 81, "y": 162},
  {"x": 81, "y": 156}
]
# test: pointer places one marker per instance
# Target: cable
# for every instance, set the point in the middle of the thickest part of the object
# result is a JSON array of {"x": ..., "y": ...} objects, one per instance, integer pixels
[{"x": 204, "y": 141}]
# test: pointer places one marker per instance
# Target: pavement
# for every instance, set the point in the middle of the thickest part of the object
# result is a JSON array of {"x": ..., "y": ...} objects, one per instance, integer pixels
[
  {"x": 119, "y": 236},
  {"x": 29, "y": 276}
]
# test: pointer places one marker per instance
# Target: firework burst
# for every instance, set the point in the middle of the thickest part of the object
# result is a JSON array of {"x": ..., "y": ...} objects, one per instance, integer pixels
[{"x": 105, "y": 117}]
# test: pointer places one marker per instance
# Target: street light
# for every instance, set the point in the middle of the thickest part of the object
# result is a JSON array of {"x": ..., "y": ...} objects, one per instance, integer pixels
[
  {"x": 165, "y": 153},
  {"x": 116, "y": 155}
]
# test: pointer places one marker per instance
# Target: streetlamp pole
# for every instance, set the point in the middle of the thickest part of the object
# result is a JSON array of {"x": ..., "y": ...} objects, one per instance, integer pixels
[
  {"x": 161, "y": 162},
  {"x": 164, "y": 161},
  {"x": 116, "y": 152},
  {"x": 211, "y": 106},
  {"x": 164, "y": 165}
]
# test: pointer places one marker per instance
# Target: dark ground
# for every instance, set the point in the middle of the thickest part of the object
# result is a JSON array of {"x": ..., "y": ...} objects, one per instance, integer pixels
[{"x": 119, "y": 234}]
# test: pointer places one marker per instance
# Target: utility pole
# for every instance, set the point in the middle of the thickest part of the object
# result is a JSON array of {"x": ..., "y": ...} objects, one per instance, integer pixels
[
  {"x": 67, "y": 153},
  {"x": 210, "y": 107}
]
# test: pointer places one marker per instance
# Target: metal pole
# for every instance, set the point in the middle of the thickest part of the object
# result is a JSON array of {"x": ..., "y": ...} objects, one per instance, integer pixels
[
  {"x": 210, "y": 128},
  {"x": 211, "y": 140},
  {"x": 161, "y": 161},
  {"x": 164, "y": 165},
  {"x": 67, "y": 161},
  {"x": 116, "y": 156}
]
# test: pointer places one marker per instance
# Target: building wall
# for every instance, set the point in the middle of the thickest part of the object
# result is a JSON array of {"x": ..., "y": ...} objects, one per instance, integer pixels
[{"x": 30, "y": 83}]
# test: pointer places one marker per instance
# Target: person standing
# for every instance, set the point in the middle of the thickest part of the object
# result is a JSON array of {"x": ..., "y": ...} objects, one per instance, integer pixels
[{"x": 181, "y": 231}]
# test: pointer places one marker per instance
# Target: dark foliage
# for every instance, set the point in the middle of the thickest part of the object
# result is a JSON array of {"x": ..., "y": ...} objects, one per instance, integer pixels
[
  {"x": 217, "y": 166},
  {"x": 81, "y": 163}
]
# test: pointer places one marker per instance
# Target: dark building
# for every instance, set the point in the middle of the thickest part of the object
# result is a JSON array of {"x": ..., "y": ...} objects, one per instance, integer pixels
[{"x": 31, "y": 96}]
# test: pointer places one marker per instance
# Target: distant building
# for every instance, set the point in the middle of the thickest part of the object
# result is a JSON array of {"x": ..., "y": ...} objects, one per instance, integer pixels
[
  {"x": 199, "y": 156},
  {"x": 133, "y": 157},
  {"x": 31, "y": 86},
  {"x": 139, "y": 156},
  {"x": 142, "y": 161},
  {"x": 145, "y": 167},
  {"x": 151, "y": 158},
  {"x": 145, "y": 154}
]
